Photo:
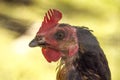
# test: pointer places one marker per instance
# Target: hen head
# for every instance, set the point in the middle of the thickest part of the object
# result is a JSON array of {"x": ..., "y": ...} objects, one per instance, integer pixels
[{"x": 57, "y": 40}]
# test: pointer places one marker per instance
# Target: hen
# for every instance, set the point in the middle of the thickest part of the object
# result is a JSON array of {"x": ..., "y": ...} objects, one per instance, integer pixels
[{"x": 81, "y": 57}]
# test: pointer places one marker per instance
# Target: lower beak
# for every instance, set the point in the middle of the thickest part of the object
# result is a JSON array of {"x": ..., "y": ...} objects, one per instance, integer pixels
[{"x": 33, "y": 43}]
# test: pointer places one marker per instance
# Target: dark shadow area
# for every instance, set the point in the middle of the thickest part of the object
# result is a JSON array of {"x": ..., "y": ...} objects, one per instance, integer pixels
[
  {"x": 12, "y": 24},
  {"x": 22, "y": 2}
]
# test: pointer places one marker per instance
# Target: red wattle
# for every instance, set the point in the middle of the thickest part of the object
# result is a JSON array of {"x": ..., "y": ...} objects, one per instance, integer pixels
[{"x": 51, "y": 54}]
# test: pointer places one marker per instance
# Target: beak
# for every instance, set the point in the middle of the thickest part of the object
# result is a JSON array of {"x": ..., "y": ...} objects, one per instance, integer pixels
[{"x": 33, "y": 43}]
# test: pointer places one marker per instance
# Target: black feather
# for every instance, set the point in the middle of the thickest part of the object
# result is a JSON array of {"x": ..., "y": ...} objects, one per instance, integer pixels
[
  {"x": 92, "y": 63},
  {"x": 89, "y": 63}
]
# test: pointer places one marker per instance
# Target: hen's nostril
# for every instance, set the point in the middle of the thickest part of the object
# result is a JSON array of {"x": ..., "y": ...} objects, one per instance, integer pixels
[{"x": 39, "y": 38}]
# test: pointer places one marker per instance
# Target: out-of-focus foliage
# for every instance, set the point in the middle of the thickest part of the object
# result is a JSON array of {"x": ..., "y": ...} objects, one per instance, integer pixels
[{"x": 19, "y": 62}]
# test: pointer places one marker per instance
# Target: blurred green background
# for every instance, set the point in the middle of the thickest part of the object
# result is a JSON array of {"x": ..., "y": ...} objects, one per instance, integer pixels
[{"x": 20, "y": 19}]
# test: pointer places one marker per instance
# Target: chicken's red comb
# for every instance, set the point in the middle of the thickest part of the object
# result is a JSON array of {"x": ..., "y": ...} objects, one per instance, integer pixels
[{"x": 51, "y": 18}]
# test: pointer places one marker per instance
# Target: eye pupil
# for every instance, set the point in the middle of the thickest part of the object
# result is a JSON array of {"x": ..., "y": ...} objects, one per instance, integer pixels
[{"x": 60, "y": 35}]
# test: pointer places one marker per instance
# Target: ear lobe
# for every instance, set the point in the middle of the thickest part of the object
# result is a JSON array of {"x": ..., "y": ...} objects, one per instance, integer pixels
[{"x": 73, "y": 50}]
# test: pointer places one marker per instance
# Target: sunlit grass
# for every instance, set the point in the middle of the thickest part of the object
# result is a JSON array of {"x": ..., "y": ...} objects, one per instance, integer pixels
[{"x": 25, "y": 65}]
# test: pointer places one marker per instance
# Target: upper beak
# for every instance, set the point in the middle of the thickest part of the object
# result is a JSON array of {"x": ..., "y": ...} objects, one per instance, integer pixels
[{"x": 33, "y": 43}]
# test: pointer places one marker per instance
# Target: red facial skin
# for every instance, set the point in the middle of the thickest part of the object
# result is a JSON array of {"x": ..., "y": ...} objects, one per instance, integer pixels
[{"x": 59, "y": 48}]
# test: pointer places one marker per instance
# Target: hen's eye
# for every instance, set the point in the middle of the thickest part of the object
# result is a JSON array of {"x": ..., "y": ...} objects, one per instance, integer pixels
[{"x": 60, "y": 35}]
